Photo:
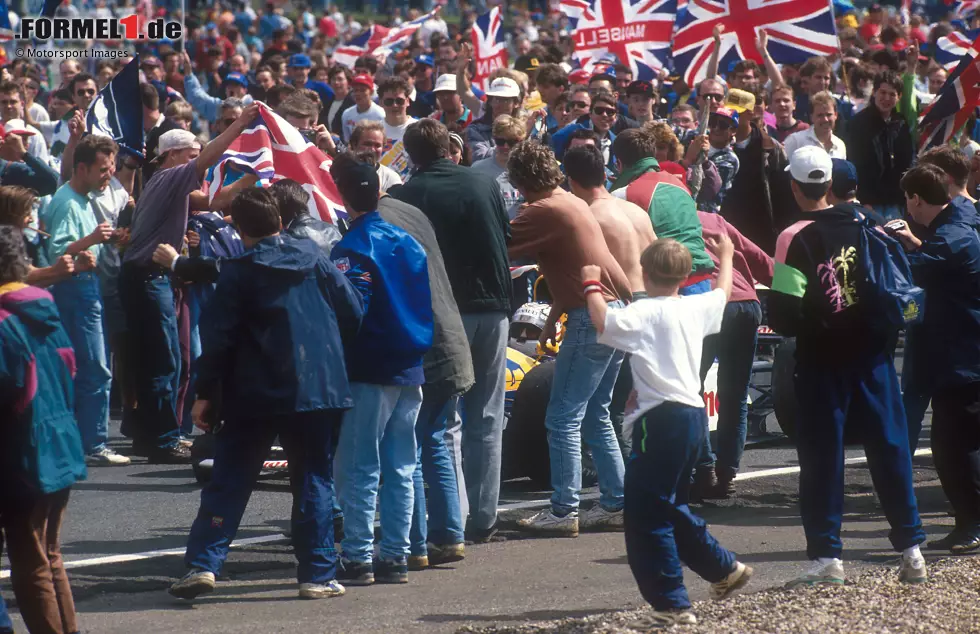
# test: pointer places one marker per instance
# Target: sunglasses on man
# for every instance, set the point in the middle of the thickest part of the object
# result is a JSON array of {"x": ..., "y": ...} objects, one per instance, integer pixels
[
  {"x": 577, "y": 105},
  {"x": 604, "y": 112},
  {"x": 394, "y": 101},
  {"x": 505, "y": 142}
]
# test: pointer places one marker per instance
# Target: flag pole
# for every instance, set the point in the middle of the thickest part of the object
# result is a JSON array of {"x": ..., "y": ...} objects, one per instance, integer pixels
[{"x": 183, "y": 26}]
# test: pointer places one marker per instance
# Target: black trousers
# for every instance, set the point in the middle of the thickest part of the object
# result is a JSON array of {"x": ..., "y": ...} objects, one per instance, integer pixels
[{"x": 956, "y": 450}]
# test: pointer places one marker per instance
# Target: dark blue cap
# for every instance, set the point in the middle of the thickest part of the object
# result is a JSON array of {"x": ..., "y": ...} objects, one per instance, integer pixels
[
  {"x": 844, "y": 179},
  {"x": 299, "y": 60},
  {"x": 236, "y": 78},
  {"x": 426, "y": 60}
]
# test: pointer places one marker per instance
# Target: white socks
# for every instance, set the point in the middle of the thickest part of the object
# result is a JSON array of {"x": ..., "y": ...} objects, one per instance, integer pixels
[{"x": 912, "y": 553}]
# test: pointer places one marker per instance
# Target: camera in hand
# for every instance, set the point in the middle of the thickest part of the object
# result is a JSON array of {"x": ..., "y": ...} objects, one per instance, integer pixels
[{"x": 309, "y": 134}]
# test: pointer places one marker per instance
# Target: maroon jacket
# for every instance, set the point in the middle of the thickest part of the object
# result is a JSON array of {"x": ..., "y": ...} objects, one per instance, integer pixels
[{"x": 750, "y": 264}]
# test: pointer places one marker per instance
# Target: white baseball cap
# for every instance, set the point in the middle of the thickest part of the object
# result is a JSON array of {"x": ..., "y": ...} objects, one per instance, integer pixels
[
  {"x": 445, "y": 83},
  {"x": 810, "y": 164},
  {"x": 176, "y": 140},
  {"x": 16, "y": 126},
  {"x": 504, "y": 87}
]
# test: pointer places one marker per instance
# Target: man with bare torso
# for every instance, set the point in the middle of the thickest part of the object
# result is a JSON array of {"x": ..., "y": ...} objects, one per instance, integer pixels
[{"x": 626, "y": 228}]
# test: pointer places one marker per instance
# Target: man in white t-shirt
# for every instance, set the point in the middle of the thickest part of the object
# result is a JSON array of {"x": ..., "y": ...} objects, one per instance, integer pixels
[
  {"x": 393, "y": 94},
  {"x": 363, "y": 109},
  {"x": 369, "y": 136},
  {"x": 821, "y": 131},
  {"x": 664, "y": 333}
]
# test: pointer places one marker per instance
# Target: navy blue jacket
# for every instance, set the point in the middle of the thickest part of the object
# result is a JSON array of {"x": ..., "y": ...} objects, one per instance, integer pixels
[
  {"x": 272, "y": 336},
  {"x": 945, "y": 348},
  {"x": 390, "y": 270}
]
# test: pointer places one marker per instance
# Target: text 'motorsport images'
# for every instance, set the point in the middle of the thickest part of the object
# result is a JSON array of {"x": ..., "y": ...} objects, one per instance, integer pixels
[{"x": 493, "y": 317}]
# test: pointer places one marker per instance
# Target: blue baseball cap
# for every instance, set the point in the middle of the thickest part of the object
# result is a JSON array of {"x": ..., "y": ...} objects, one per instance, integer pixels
[
  {"x": 426, "y": 60},
  {"x": 236, "y": 78},
  {"x": 299, "y": 60},
  {"x": 844, "y": 179}
]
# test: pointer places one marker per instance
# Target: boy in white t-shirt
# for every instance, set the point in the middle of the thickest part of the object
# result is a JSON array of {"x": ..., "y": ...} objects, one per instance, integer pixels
[{"x": 664, "y": 333}]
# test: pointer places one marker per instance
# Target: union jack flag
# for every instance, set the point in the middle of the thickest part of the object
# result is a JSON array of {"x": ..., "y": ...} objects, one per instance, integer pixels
[
  {"x": 489, "y": 48},
  {"x": 362, "y": 44},
  {"x": 636, "y": 32},
  {"x": 401, "y": 35},
  {"x": 953, "y": 106},
  {"x": 951, "y": 48},
  {"x": 963, "y": 9},
  {"x": 273, "y": 149},
  {"x": 798, "y": 30}
]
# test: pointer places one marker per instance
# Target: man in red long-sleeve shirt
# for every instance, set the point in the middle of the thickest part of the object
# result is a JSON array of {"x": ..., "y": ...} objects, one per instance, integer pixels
[{"x": 734, "y": 347}]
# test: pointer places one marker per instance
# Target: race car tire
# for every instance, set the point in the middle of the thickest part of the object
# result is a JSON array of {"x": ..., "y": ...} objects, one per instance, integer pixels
[
  {"x": 528, "y": 436},
  {"x": 202, "y": 458},
  {"x": 784, "y": 387}
]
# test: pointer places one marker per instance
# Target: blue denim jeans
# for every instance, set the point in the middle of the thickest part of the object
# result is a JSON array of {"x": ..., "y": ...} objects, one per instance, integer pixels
[
  {"x": 80, "y": 305},
  {"x": 585, "y": 374},
  {"x": 661, "y": 531},
  {"x": 240, "y": 448},
  {"x": 148, "y": 300},
  {"x": 377, "y": 440},
  {"x": 6, "y": 625},
  {"x": 866, "y": 393},
  {"x": 194, "y": 310},
  {"x": 436, "y": 517},
  {"x": 482, "y": 413},
  {"x": 734, "y": 347}
]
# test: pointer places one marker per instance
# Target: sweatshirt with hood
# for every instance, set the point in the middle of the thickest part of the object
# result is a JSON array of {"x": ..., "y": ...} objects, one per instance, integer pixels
[
  {"x": 273, "y": 334},
  {"x": 41, "y": 447}
]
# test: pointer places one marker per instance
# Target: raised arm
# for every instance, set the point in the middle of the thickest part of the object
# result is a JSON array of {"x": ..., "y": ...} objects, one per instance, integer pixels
[
  {"x": 772, "y": 71},
  {"x": 463, "y": 87},
  {"x": 213, "y": 151},
  {"x": 591, "y": 276},
  {"x": 715, "y": 52},
  {"x": 724, "y": 249}
]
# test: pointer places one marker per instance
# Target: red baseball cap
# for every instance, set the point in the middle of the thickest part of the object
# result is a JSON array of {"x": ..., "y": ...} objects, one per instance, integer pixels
[{"x": 363, "y": 80}]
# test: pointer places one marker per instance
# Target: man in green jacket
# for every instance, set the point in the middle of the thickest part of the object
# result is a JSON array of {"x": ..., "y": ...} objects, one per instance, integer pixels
[{"x": 470, "y": 219}]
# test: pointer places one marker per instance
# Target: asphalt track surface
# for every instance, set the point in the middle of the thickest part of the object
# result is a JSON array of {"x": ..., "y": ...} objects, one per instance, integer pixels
[{"x": 121, "y": 518}]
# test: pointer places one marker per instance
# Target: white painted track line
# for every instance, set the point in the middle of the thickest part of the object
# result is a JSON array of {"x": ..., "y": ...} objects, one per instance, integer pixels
[{"x": 516, "y": 506}]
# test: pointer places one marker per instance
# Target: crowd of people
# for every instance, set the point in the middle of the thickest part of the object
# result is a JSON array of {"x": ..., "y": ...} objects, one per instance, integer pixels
[{"x": 374, "y": 347}]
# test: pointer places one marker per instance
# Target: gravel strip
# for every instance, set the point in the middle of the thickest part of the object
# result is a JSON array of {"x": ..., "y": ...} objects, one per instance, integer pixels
[{"x": 874, "y": 602}]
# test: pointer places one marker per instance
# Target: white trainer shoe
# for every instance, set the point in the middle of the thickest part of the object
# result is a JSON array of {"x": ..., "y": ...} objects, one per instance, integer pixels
[
  {"x": 736, "y": 579},
  {"x": 824, "y": 570},
  {"x": 321, "y": 590},
  {"x": 105, "y": 457},
  {"x": 599, "y": 519},
  {"x": 913, "y": 569},
  {"x": 193, "y": 584},
  {"x": 547, "y": 523},
  {"x": 661, "y": 619}
]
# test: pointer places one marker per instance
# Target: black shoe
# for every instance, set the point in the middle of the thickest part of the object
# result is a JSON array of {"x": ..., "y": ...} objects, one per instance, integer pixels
[
  {"x": 354, "y": 573},
  {"x": 480, "y": 535},
  {"x": 170, "y": 455},
  {"x": 967, "y": 543},
  {"x": 725, "y": 487},
  {"x": 945, "y": 543},
  {"x": 391, "y": 571}
]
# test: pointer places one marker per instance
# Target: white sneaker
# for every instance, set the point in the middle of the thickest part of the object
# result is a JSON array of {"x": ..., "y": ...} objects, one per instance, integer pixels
[
  {"x": 193, "y": 584},
  {"x": 736, "y": 579},
  {"x": 913, "y": 569},
  {"x": 823, "y": 570},
  {"x": 599, "y": 519},
  {"x": 105, "y": 457},
  {"x": 547, "y": 523},
  {"x": 660, "y": 619},
  {"x": 321, "y": 590}
]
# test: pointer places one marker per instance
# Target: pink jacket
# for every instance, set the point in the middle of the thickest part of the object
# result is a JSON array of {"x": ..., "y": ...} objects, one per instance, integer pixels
[{"x": 750, "y": 264}]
